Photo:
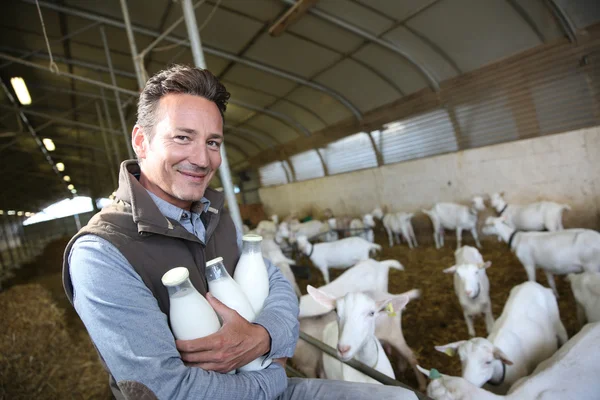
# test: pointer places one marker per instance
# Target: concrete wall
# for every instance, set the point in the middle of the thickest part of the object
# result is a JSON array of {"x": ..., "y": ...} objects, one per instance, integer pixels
[{"x": 563, "y": 167}]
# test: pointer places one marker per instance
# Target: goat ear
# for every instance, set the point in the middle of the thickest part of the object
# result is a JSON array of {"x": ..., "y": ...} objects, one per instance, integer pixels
[
  {"x": 450, "y": 270},
  {"x": 450, "y": 349},
  {"x": 393, "y": 304},
  {"x": 485, "y": 265},
  {"x": 321, "y": 297},
  {"x": 502, "y": 194},
  {"x": 499, "y": 355}
]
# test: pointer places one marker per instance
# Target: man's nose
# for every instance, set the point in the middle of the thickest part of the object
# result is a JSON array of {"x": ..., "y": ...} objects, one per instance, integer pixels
[{"x": 199, "y": 156}]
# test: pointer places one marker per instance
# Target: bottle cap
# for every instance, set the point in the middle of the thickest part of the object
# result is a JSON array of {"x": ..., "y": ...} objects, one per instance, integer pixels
[
  {"x": 252, "y": 237},
  {"x": 214, "y": 261},
  {"x": 215, "y": 270},
  {"x": 175, "y": 276}
]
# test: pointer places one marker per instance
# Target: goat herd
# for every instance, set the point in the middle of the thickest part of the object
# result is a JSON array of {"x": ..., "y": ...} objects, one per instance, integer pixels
[{"x": 526, "y": 355}]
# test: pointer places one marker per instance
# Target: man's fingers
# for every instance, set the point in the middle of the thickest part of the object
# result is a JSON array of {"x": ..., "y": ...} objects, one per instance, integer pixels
[
  {"x": 207, "y": 343},
  {"x": 201, "y": 357},
  {"x": 224, "y": 312}
]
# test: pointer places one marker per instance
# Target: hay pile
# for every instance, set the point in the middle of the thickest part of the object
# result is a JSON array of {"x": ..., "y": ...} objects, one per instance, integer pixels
[
  {"x": 436, "y": 318},
  {"x": 40, "y": 358}
]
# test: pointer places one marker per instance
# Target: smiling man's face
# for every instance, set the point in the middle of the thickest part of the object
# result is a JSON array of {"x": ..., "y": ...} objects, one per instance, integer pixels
[{"x": 180, "y": 157}]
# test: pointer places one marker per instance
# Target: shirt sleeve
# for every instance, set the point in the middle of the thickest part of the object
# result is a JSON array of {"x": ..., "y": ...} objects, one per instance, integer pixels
[
  {"x": 279, "y": 315},
  {"x": 133, "y": 337}
]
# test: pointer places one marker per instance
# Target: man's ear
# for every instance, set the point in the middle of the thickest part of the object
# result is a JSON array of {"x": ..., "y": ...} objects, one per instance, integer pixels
[{"x": 139, "y": 142}]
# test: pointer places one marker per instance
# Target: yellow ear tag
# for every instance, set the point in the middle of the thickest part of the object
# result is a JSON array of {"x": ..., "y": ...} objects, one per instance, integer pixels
[
  {"x": 390, "y": 310},
  {"x": 449, "y": 352}
]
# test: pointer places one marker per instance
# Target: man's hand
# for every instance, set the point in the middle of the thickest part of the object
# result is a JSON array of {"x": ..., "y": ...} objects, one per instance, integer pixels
[{"x": 236, "y": 344}]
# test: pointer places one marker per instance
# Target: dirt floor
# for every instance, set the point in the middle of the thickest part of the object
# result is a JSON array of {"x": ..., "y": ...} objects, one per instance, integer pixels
[
  {"x": 436, "y": 318},
  {"x": 45, "y": 352}
]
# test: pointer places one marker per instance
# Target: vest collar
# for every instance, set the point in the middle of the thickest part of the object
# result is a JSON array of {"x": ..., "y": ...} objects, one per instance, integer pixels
[{"x": 147, "y": 215}]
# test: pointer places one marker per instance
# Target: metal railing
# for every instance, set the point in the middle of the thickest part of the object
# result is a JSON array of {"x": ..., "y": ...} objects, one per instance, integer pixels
[{"x": 357, "y": 365}]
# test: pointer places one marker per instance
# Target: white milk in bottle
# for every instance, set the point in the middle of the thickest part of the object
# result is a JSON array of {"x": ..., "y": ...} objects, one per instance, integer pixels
[
  {"x": 190, "y": 314},
  {"x": 251, "y": 272},
  {"x": 227, "y": 291}
]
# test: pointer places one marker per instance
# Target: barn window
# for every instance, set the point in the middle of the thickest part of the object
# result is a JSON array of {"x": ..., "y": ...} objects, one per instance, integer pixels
[
  {"x": 307, "y": 165},
  {"x": 350, "y": 154},
  {"x": 422, "y": 136},
  {"x": 273, "y": 174}
]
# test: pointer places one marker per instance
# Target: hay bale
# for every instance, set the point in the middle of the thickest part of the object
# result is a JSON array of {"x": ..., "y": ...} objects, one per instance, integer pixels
[{"x": 39, "y": 357}]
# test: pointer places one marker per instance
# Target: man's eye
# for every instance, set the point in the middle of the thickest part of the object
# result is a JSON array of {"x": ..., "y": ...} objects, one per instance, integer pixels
[
  {"x": 182, "y": 138},
  {"x": 213, "y": 143}
]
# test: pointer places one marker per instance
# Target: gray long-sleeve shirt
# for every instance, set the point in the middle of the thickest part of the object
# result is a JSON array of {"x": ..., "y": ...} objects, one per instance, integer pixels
[{"x": 133, "y": 337}]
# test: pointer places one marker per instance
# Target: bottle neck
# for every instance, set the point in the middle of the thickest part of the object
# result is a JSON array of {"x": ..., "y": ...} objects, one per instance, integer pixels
[
  {"x": 174, "y": 290},
  {"x": 215, "y": 272},
  {"x": 251, "y": 247}
]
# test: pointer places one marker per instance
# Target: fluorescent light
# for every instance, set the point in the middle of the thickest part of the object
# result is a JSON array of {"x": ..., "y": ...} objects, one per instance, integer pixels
[
  {"x": 11, "y": 212},
  {"x": 49, "y": 144},
  {"x": 73, "y": 191},
  {"x": 71, "y": 187},
  {"x": 20, "y": 88},
  {"x": 1, "y": 212},
  {"x": 60, "y": 166},
  {"x": 67, "y": 178},
  {"x": 28, "y": 214},
  {"x": 20, "y": 213}
]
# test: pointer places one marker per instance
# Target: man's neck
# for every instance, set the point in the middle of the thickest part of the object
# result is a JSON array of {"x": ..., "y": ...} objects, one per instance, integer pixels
[{"x": 157, "y": 191}]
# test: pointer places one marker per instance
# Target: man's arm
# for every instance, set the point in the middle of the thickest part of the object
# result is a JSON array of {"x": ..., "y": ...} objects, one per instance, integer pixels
[{"x": 134, "y": 339}]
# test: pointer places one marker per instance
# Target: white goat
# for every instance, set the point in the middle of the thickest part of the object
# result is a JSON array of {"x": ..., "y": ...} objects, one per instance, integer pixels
[
  {"x": 543, "y": 215},
  {"x": 570, "y": 374},
  {"x": 266, "y": 228},
  {"x": 272, "y": 251},
  {"x": 354, "y": 333},
  {"x": 557, "y": 253},
  {"x": 397, "y": 224},
  {"x": 406, "y": 228},
  {"x": 366, "y": 225},
  {"x": 308, "y": 229},
  {"x": 586, "y": 290},
  {"x": 331, "y": 235},
  {"x": 528, "y": 332},
  {"x": 472, "y": 286},
  {"x": 342, "y": 253},
  {"x": 455, "y": 216},
  {"x": 367, "y": 275}
]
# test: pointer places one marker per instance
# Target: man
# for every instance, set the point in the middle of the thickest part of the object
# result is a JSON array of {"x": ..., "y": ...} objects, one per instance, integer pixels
[{"x": 164, "y": 215}]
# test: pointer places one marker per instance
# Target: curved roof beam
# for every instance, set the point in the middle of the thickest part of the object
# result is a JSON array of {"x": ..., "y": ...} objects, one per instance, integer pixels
[
  {"x": 254, "y": 134},
  {"x": 527, "y": 18},
  {"x": 433, "y": 82},
  {"x": 238, "y": 149},
  {"x": 239, "y": 138},
  {"x": 301, "y": 106},
  {"x": 286, "y": 119},
  {"x": 219, "y": 53},
  {"x": 565, "y": 23},
  {"x": 275, "y": 114}
]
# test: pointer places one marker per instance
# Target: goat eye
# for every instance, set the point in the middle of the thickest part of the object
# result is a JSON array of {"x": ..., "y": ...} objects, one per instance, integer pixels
[
  {"x": 488, "y": 362},
  {"x": 371, "y": 314}
]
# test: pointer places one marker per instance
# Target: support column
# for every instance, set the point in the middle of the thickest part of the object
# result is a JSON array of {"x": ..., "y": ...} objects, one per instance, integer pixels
[
  {"x": 117, "y": 97},
  {"x": 224, "y": 171},
  {"x": 137, "y": 63}
]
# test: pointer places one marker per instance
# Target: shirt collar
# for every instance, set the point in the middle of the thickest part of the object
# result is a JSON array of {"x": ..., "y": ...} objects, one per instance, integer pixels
[{"x": 171, "y": 211}]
